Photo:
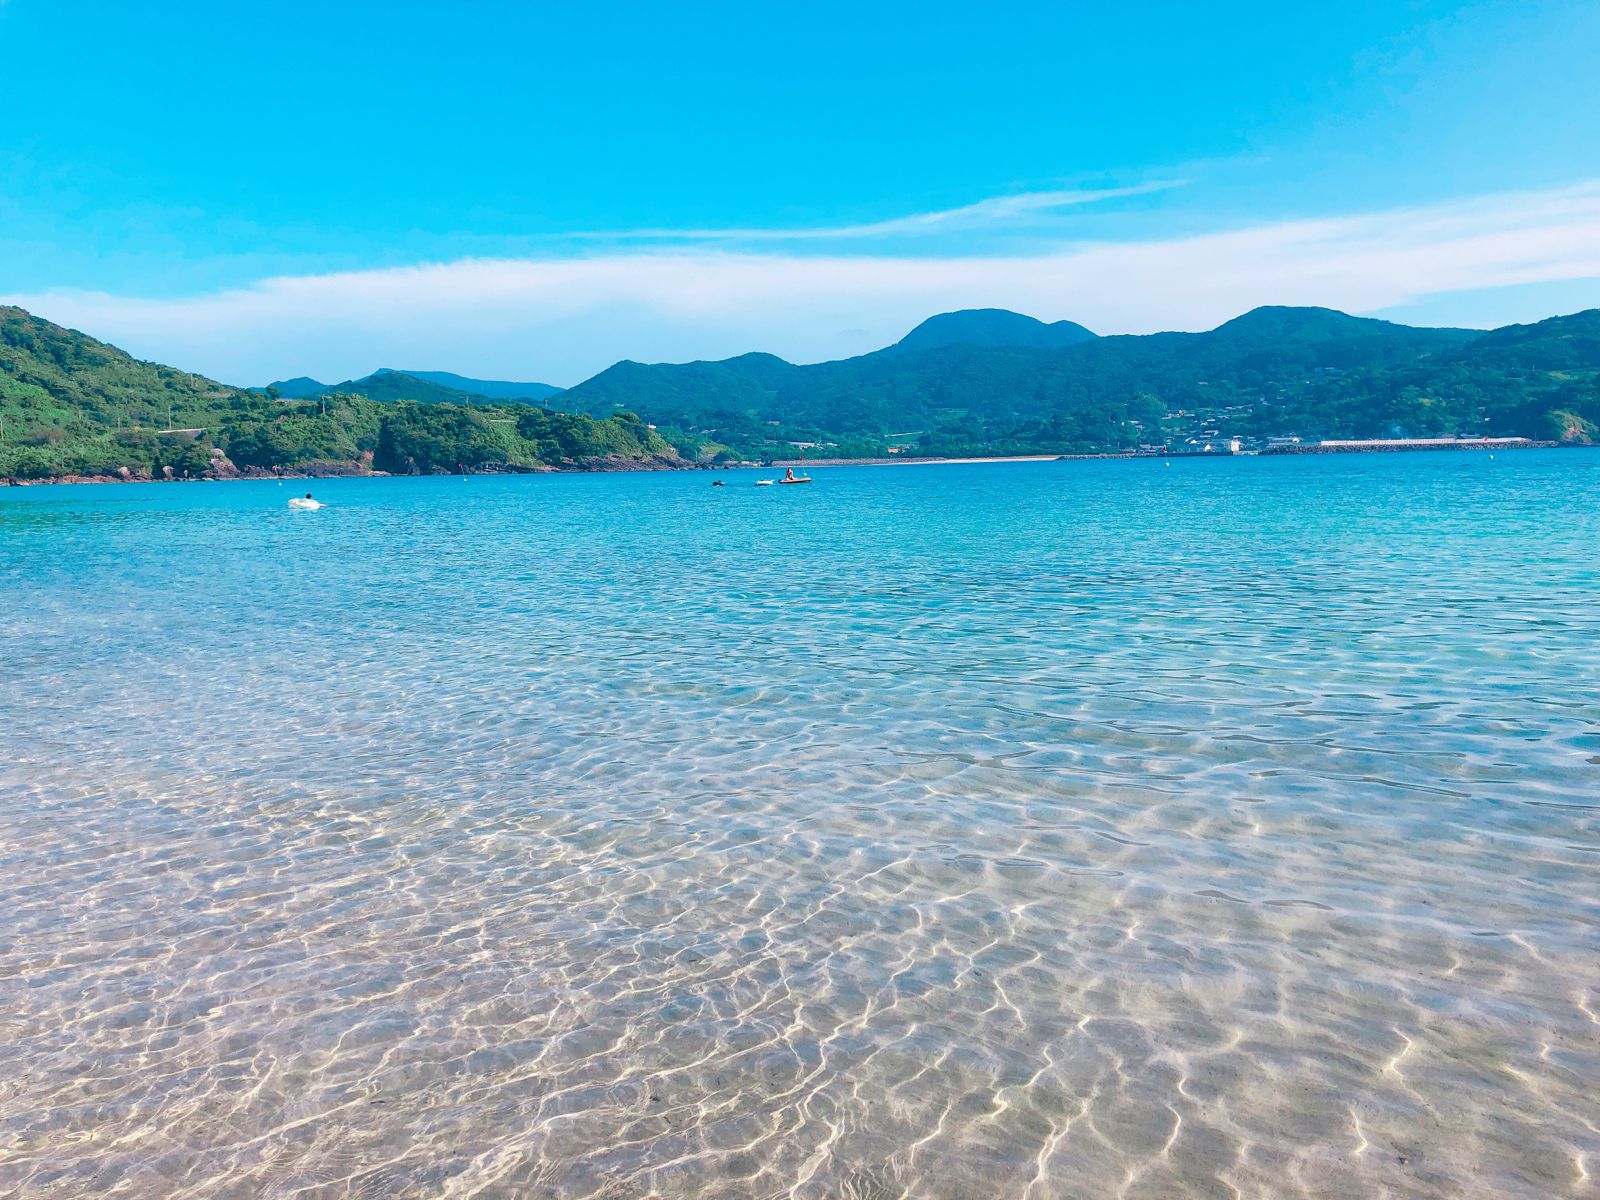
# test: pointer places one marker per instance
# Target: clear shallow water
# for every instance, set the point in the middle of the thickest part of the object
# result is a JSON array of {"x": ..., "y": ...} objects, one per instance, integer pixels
[{"x": 1068, "y": 829}]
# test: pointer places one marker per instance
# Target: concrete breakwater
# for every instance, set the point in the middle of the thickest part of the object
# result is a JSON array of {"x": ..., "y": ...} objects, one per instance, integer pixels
[{"x": 1391, "y": 445}]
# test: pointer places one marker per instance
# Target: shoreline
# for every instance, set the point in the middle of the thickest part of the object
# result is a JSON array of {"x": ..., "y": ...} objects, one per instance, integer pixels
[
  {"x": 598, "y": 469},
  {"x": 341, "y": 471},
  {"x": 898, "y": 461},
  {"x": 1274, "y": 452},
  {"x": 608, "y": 467}
]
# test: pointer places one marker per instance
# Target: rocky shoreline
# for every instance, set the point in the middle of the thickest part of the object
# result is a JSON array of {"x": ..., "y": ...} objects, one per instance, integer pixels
[
  {"x": 356, "y": 470},
  {"x": 349, "y": 470}
]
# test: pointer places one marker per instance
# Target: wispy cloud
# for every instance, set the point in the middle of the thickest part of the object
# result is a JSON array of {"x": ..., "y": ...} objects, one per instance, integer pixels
[
  {"x": 996, "y": 211},
  {"x": 562, "y": 319}
]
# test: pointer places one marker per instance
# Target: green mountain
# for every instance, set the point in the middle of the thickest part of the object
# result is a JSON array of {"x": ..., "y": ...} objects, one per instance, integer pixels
[
  {"x": 991, "y": 327},
  {"x": 389, "y": 386},
  {"x": 493, "y": 389},
  {"x": 1311, "y": 372},
  {"x": 421, "y": 387},
  {"x": 1558, "y": 344},
  {"x": 301, "y": 387},
  {"x": 1276, "y": 324},
  {"x": 70, "y": 405},
  {"x": 74, "y": 406}
]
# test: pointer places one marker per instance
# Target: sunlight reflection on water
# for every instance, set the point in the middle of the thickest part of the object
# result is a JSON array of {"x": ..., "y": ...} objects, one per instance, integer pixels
[{"x": 1027, "y": 830}]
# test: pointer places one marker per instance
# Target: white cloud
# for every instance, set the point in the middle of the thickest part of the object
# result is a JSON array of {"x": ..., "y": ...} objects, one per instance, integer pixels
[
  {"x": 995, "y": 211},
  {"x": 561, "y": 319}
]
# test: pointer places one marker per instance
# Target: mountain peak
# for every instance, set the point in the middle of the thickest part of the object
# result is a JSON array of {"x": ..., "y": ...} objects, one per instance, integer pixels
[
  {"x": 494, "y": 389},
  {"x": 301, "y": 387},
  {"x": 1578, "y": 324},
  {"x": 390, "y": 383},
  {"x": 1302, "y": 323},
  {"x": 992, "y": 327}
]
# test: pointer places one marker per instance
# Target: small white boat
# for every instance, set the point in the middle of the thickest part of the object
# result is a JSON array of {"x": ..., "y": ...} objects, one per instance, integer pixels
[
  {"x": 305, "y": 502},
  {"x": 765, "y": 482}
]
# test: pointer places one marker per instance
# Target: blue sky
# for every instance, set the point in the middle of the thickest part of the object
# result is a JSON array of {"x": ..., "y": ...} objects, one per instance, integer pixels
[{"x": 532, "y": 191}]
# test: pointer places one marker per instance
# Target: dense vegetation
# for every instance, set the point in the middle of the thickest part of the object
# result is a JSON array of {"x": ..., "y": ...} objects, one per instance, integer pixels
[
  {"x": 491, "y": 389},
  {"x": 70, "y": 405},
  {"x": 992, "y": 327},
  {"x": 424, "y": 387},
  {"x": 1307, "y": 372}
]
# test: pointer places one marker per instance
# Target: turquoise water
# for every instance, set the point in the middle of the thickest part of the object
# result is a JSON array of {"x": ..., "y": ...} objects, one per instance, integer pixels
[{"x": 1049, "y": 829}]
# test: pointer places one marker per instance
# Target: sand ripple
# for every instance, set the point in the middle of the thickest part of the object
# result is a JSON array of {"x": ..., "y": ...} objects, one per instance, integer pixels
[{"x": 1075, "y": 831}]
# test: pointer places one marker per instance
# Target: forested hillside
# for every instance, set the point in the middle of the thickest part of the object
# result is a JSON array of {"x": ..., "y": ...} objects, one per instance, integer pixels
[
  {"x": 982, "y": 382},
  {"x": 1274, "y": 371},
  {"x": 74, "y": 406},
  {"x": 424, "y": 387}
]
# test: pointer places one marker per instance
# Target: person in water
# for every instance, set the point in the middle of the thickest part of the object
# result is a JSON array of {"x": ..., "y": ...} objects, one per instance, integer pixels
[{"x": 308, "y": 495}]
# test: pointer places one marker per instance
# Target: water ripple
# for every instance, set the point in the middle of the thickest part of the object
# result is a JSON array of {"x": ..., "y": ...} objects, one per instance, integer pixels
[{"x": 1046, "y": 830}]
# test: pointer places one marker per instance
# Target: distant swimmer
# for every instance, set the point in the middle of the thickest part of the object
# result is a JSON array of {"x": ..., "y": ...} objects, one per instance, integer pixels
[
  {"x": 716, "y": 483},
  {"x": 307, "y": 502}
]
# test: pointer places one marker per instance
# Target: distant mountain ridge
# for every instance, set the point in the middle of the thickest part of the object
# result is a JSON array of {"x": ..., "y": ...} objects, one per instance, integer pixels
[
  {"x": 991, "y": 327},
  {"x": 494, "y": 389},
  {"x": 1275, "y": 370},
  {"x": 423, "y": 387},
  {"x": 70, "y": 405},
  {"x": 299, "y": 388},
  {"x": 936, "y": 364},
  {"x": 1304, "y": 324},
  {"x": 389, "y": 386}
]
